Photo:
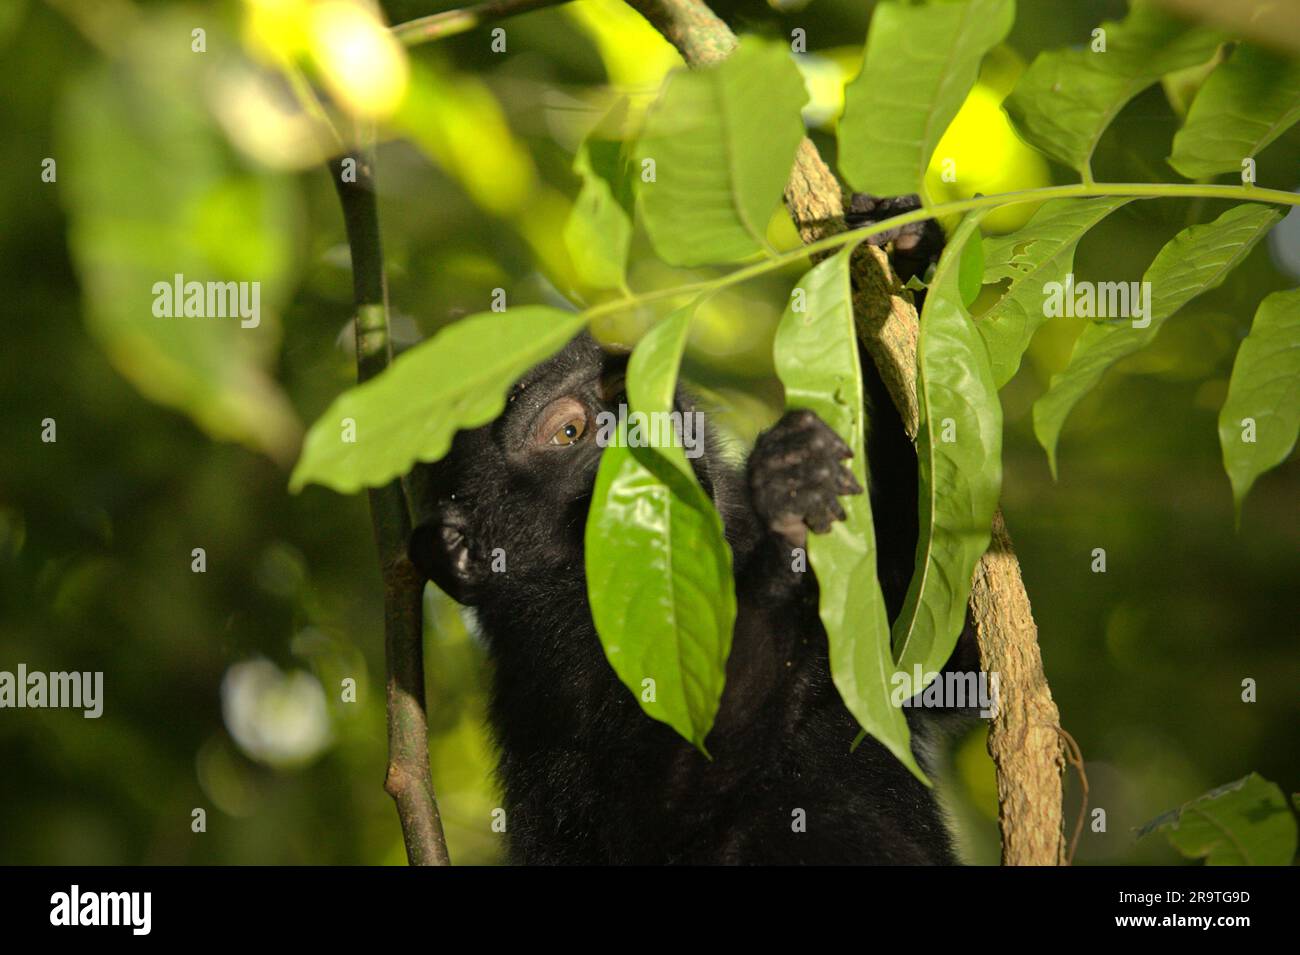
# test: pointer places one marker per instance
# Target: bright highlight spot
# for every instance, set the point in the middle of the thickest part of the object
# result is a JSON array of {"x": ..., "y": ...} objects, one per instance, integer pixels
[
  {"x": 361, "y": 63},
  {"x": 275, "y": 718},
  {"x": 982, "y": 152}
]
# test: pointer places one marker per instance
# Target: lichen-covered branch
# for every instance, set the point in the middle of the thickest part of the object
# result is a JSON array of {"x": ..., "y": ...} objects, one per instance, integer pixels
[
  {"x": 1023, "y": 739},
  {"x": 697, "y": 32},
  {"x": 408, "y": 780}
]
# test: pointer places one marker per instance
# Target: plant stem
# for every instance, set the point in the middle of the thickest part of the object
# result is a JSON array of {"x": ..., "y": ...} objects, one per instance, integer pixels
[
  {"x": 451, "y": 22},
  {"x": 831, "y": 243},
  {"x": 408, "y": 780}
]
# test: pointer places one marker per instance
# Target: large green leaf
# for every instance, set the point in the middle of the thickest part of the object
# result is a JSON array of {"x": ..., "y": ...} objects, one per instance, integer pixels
[
  {"x": 1067, "y": 98},
  {"x": 817, "y": 361},
  {"x": 409, "y": 413},
  {"x": 920, "y": 63},
  {"x": 1245, "y": 104},
  {"x": 1265, "y": 388},
  {"x": 1194, "y": 261},
  {"x": 722, "y": 141},
  {"x": 1246, "y": 822},
  {"x": 1040, "y": 252},
  {"x": 599, "y": 228},
  {"x": 152, "y": 192},
  {"x": 658, "y": 564},
  {"x": 959, "y": 457}
]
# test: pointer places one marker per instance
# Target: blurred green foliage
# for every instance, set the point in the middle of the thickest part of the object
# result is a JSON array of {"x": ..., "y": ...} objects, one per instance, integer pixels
[{"x": 158, "y": 173}]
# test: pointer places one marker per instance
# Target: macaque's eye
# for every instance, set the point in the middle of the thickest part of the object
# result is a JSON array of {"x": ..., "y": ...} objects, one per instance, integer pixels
[
  {"x": 570, "y": 432},
  {"x": 563, "y": 423}
]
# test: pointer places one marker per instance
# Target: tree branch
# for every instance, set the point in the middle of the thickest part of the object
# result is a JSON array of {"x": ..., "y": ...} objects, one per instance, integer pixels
[
  {"x": 1023, "y": 738},
  {"x": 408, "y": 780},
  {"x": 451, "y": 22}
]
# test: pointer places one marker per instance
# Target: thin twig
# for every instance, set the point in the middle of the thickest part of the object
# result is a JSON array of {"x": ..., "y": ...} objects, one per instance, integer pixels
[
  {"x": 1074, "y": 755},
  {"x": 408, "y": 780},
  {"x": 831, "y": 235},
  {"x": 436, "y": 26}
]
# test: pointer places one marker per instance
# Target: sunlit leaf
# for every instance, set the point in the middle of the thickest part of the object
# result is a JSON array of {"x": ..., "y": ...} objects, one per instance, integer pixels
[
  {"x": 1067, "y": 98},
  {"x": 636, "y": 55},
  {"x": 981, "y": 154},
  {"x": 652, "y": 375},
  {"x": 152, "y": 192},
  {"x": 599, "y": 229},
  {"x": 721, "y": 142},
  {"x": 959, "y": 457},
  {"x": 409, "y": 413},
  {"x": 658, "y": 565},
  {"x": 1244, "y": 105},
  {"x": 920, "y": 63},
  {"x": 457, "y": 121},
  {"x": 1040, "y": 252},
  {"x": 1246, "y": 822},
  {"x": 818, "y": 362},
  {"x": 1260, "y": 419},
  {"x": 1194, "y": 261}
]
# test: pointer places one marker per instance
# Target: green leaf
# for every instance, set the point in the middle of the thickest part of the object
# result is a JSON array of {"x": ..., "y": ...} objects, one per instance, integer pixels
[
  {"x": 1042, "y": 251},
  {"x": 817, "y": 361},
  {"x": 1067, "y": 98},
  {"x": 658, "y": 565},
  {"x": 1246, "y": 822},
  {"x": 652, "y": 375},
  {"x": 1196, "y": 260},
  {"x": 455, "y": 119},
  {"x": 920, "y": 63},
  {"x": 598, "y": 231},
  {"x": 970, "y": 272},
  {"x": 722, "y": 141},
  {"x": 959, "y": 458},
  {"x": 409, "y": 412},
  {"x": 1246, "y": 103},
  {"x": 152, "y": 192},
  {"x": 1264, "y": 390}
]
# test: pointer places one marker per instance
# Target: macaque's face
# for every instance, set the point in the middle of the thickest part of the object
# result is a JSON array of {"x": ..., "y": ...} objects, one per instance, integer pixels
[{"x": 518, "y": 489}]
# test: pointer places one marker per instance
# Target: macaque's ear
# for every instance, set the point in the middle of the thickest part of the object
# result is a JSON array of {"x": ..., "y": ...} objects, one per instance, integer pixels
[{"x": 441, "y": 549}]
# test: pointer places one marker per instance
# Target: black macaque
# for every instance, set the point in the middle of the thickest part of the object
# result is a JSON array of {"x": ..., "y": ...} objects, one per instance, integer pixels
[{"x": 589, "y": 778}]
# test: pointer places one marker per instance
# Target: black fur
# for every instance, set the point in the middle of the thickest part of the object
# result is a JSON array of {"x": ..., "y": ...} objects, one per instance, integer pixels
[
  {"x": 588, "y": 776},
  {"x": 915, "y": 247}
]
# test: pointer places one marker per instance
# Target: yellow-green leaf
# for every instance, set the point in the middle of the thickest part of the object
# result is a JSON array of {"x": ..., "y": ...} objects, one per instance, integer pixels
[
  {"x": 716, "y": 152},
  {"x": 1029, "y": 258},
  {"x": 920, "y": 63},
  {"x": 659, "y": 574},
  {"x": 1067, "y": 98},
  {"x": 152, "y": 192},
  {"x": 1246, "y": 103},
  {"x": 1246, "y": 822},
  {"x": 1260, "y": 419},
  {"x": 376, "y": 431},
  {"x": 1194, "y": 261}
]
